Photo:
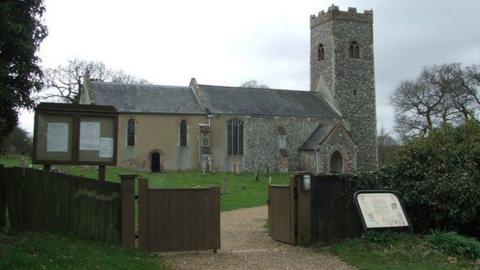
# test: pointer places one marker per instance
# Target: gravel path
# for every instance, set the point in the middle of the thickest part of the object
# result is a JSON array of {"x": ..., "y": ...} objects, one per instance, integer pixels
[{"x": 246, "y": 245}]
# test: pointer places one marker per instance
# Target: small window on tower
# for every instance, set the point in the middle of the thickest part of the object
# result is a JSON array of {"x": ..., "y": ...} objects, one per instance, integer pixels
[
  {"x": 321, "y": 52},
  {"x": 354, "y": 50}
]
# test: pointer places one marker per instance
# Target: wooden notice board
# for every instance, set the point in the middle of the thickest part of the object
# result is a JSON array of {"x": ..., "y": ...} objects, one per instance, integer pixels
[{"x": 75, "y": 134}]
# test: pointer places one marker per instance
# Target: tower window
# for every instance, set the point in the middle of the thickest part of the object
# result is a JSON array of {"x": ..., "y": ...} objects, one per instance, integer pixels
[
  {"x": 321, "y": 52},
  {"x": 131, "y": 132},
  {"x": 235, "y": 137},
  {"x": 354, "y": 50},
  {"x": 183, "y": 133}
]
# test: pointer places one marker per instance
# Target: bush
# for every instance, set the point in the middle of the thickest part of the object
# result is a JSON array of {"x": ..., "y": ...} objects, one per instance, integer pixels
[
  {"x": 381, "y": 237},
  {"x": 454, "y": 244},
  {"x": 18, "y": 141},
  {"x": 437, "y": 177}
]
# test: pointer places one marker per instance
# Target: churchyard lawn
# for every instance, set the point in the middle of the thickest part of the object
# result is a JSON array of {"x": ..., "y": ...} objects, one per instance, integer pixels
[{"x": 238, "y": 191}]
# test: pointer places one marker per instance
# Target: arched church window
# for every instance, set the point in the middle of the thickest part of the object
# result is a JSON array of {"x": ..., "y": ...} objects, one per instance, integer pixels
[
  {"x": 235, "y": 137},
  {"x": 183, "y": 133},
  {"x": 336, "y": 163},
  {"x": 131, "y": 132},
  {"x": 321, "y": 52},
  {"x": 354, "y": 50}
]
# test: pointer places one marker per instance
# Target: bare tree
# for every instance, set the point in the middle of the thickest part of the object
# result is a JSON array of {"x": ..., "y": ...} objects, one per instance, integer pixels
[
  {"x": 64, "y": 82},
  {"x": 440, "y": 94},
  {"x": 471, "y": 83},
  {"x": 253, "y": 84}
]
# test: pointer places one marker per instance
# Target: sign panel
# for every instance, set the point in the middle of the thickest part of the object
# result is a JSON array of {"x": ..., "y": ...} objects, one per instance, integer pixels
[
  {"x": 57, "y": 137},
  {"x": 381, "y": 210},
  {"x": 89, "y": 135},
  {"x": 106, "y": 147}
]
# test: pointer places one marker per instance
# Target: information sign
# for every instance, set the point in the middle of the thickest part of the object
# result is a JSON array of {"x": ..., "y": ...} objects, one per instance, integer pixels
[
  {"x": 106, "y": 147},
  {"x": 57, "y": 137},
  {"x": 89, "y": 135},
  {"x": 380, "y": 209}
]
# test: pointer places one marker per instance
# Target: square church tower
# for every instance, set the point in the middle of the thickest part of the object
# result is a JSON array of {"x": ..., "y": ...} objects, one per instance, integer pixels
[{"x": 342, "y": 70}]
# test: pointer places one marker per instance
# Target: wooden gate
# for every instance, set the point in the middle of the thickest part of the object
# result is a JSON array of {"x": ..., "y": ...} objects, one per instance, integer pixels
[
  {"x": 178, "y": 219},
  {"x": 281, "y": 213},
  {"x": 289, "y": 212}
]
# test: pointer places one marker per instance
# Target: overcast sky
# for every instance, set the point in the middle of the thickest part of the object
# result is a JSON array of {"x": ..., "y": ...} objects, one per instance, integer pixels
[{"x": 229, "y": 42}]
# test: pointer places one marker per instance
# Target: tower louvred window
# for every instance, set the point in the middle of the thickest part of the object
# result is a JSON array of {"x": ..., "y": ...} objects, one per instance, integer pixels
[
  {"x": 354, "y": 50},
  {"x": 235, "y": 137}
]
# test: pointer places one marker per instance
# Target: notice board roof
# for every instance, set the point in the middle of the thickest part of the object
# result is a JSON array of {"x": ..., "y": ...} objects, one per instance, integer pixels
[{"x": 49, "y": 106}]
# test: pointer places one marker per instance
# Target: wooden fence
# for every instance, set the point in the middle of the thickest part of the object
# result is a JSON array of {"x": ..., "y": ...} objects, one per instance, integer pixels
[
  {"x": 52, "y": 202},
  {"x": 3, "y": 208},
  {"x": 334, "y": 216},
  {"x": 169, "y": 219},
  {"x": 324, "y": 214}
]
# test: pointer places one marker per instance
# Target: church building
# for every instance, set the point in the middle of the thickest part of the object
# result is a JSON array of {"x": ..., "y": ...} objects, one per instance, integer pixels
[{"x": 329, "y": 129}]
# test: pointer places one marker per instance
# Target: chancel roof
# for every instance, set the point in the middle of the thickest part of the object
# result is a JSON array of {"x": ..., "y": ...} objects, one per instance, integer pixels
[{"x": 255, "y": 101}]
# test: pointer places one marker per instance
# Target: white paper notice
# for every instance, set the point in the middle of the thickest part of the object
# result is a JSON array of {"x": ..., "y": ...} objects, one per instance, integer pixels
[
  {"x": 89, "y": 135},
  {"x": 106, "y": 147},
  {"x": 381, "y": 210},
  {"x": 57, "y": 137}
]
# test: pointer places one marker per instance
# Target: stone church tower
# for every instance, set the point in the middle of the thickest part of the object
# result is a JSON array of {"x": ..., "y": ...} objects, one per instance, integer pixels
[{"x": 342, "y": 70}]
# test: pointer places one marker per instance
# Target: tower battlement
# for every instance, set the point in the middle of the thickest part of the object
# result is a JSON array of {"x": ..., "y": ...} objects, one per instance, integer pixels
[{"x": 334, "y": 12}]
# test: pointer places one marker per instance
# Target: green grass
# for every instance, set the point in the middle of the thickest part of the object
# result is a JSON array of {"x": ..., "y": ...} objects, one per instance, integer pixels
[
  {"x": 404, "y": 252},
  {"x": 241, "y": 191},
  {"x": 45, "y": 251}
]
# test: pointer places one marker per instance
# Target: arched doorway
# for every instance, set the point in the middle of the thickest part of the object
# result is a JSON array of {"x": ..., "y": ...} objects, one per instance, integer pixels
[
  {"x": 336, "y": 163},
  {"x": 155, "y": 162}
]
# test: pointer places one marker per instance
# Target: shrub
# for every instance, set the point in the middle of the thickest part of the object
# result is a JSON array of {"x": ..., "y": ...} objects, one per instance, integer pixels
[
  {"x": 438, "y": 178},
  {"x": 381, "y": 237},
  {"x": 454, "y": 244}
]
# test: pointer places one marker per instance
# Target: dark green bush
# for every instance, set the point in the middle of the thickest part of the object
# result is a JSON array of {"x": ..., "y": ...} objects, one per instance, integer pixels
[
  {"x": 454, "y": 244},
  {"x": 437, "y": 177}
]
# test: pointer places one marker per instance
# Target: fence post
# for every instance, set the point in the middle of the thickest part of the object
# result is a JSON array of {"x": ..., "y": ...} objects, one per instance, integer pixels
[
  {"x": 128, "y": 210},
  {"x": 143, "y": 213},
  {"x": 304, "y": 217},
  {"x": 2, "y": 197},
  {"x": 102, "y": 172}
]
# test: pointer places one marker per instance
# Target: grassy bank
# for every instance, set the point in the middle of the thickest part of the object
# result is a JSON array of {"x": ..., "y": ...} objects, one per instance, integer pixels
[
  {"x": 45, "y": 251},
  {"x": 240, "y": 191},
  {"x": 399, "y": 253}
]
